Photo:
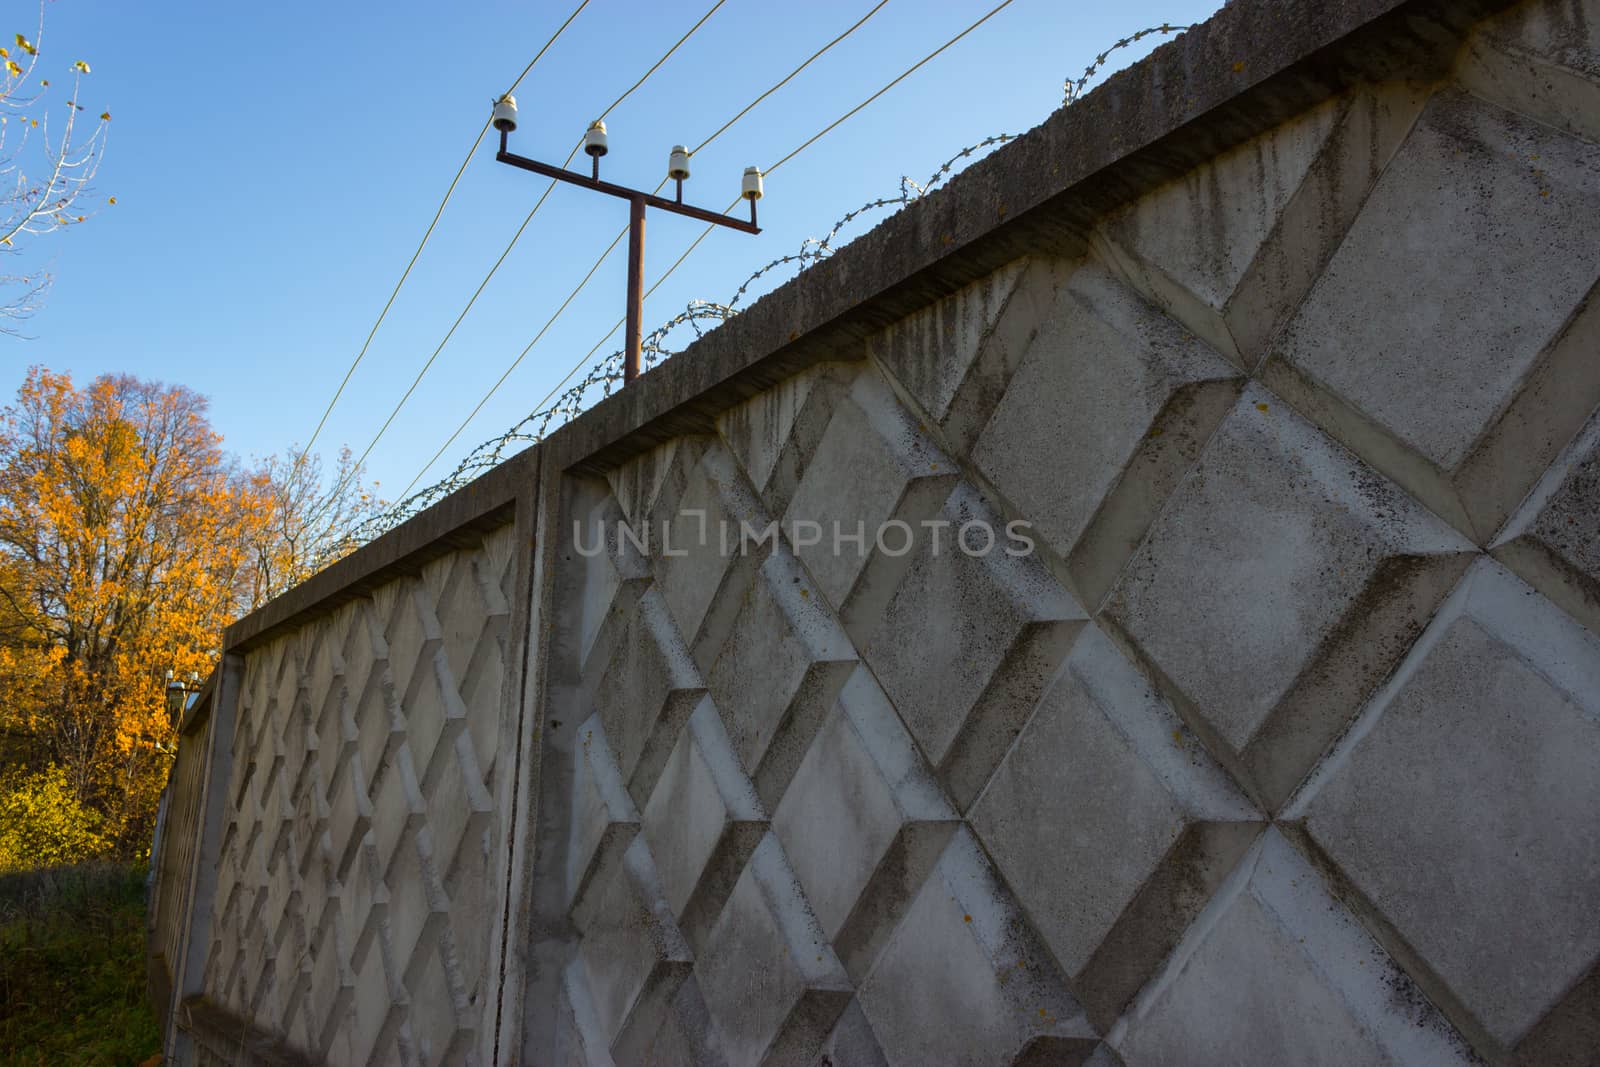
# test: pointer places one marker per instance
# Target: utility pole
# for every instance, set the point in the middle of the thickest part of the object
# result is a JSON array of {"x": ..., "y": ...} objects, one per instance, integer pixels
[{"x": 594, "y": 144}]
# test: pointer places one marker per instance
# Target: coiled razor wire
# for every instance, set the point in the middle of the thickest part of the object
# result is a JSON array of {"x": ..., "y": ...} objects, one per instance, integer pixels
[{"x": 605, "y": 375}]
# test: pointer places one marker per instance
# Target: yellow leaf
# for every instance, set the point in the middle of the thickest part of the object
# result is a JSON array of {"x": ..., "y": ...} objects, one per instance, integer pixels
[
  {"x": 113, "y": 200},
  {"x": 105, "y": 116},
  {"x": 81, "y": 67}
]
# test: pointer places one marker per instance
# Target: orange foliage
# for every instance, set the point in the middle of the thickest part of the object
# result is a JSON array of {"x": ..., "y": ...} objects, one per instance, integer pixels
[{"x": 128, "y": 540}]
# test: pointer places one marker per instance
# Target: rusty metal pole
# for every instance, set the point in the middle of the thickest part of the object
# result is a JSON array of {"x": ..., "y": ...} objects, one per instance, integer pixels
[{"x": 630, "y": 369}]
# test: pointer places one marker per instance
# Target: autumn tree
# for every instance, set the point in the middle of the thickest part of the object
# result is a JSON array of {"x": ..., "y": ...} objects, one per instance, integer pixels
[
  {"x": 51, "y": 144},
  {"x": 127, "y": 541}
]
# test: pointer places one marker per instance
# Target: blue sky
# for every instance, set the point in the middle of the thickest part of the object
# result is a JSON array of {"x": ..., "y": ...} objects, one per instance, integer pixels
[{"x": 275, "y": 165}]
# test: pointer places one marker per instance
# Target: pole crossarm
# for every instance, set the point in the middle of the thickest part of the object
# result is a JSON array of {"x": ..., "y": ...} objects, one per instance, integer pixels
[{"x": 624, "y": 193}]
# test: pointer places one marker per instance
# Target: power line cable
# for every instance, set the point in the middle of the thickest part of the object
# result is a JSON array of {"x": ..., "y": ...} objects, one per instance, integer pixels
[
  {"x": 813, "y": 57},
  {"x": 426, "y": 234},
  {"x": 787, "y": 78},
  {"x": 417, "y": 380},
  {"x": 902, "y": 77},
  {"x": 785, "y": 159},
  {"x": 551, "y": 321}
]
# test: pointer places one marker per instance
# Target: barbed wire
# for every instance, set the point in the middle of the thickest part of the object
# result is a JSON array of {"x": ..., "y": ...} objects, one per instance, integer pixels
[
  {"x": 1074, "y": 89},
  {"x": 605, "y": 375},
  {"x": 427, "y": 235}
]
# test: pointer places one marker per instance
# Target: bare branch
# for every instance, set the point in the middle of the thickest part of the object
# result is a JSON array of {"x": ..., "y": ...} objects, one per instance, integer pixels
[{"x": 44, "y": 179}]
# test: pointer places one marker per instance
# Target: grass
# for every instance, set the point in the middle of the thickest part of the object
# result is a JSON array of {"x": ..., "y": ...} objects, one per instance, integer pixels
[{"x": 72, "y": 968}]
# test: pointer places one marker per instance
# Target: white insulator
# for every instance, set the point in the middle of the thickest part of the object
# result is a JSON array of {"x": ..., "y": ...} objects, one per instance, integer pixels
[
  {"x": 751, "y": 189},
  {"x": 678, "y": 163},
  {"x": 505, "y": 113},
  {"x": 594, "y": 138}
]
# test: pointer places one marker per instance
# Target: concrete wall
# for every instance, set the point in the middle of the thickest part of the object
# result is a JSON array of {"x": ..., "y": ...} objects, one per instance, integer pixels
[
  {"x": 356, "y": 886},
  {"x": 1278, "y": 743}
]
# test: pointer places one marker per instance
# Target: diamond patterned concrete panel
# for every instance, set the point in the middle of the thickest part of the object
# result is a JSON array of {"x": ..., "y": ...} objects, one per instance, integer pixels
[
  {"x": 773, "y": 986},
  {"x": 964, "y": 980},
  {"x": 580, "y": 1041},
  {"x": 1432, "y": 365},
  {"x": 646, "y": 693},
  {"x": 952, "y": 362},
  {"x": 615, "y": 583},
  {"x": 1565, "y": 33},
  {"x": 701, "y": 550},
  {"x": 778, "y": 674},
  {"x": 1190, "y": 243},
  {"x": 1278, "y": 587},
  {"x": 1554, "y": 540},
  {"x": 874, "y": 466},
  {"x": 863, "y": 822},
  {"x": 1106, "y": 820},
  {"x": 340, "y": 840},
  {"x": 1126, "y": 397},
  {"x": 837, "y": 820},
  {"x": 968, "y": 642},
  {"x": 703, "y": 822},
  {"x": 932, "y": 351},
  {"x": 775, "y": 433},
  {"x": 647, "y": 487},
  {"x": 853, "y": 1042},
  {"x": 685, "y": 1038},
  {"x": 1487, "y": 740},
  {"x": 1275, "y": 972},
  {"x": 604, "y": 818},
  {"x": 633, "y": 955}
]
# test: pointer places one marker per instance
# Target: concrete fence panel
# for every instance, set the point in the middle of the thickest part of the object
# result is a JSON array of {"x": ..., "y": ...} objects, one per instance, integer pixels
[{"x": 1165, "y": 648}]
